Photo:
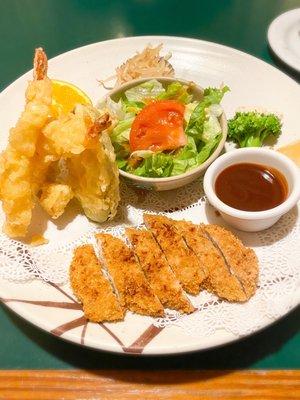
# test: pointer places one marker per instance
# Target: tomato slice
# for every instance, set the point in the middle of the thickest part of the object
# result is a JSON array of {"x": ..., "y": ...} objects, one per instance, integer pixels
[{"x": 158, "y": 127}]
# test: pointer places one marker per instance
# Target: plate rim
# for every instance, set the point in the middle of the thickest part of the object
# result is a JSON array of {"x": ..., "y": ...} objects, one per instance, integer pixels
[
  {"x": 114, "y": 348},
  {"x": 154, "y": 37}
]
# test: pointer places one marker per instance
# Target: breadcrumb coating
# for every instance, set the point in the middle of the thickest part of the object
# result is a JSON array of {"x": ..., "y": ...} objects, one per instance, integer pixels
[
  {"x": 92, "y": 288},
  {"x": 129, "y": 280},
  {"x": 181, "y": 258},
  {"x": 158, "y": 272}
]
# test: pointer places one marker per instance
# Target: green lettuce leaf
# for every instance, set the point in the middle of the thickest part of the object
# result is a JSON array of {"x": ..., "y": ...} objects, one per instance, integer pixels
[
  {"x": 120, "y": 139},
  {"x": 206, "y": 150},
  {"x": 176, "y": 91},
  {"x": 121, "y": 131},
  {"x": 131, "y": 108},
  {"x": 157, "y": 166},
  {"x": 160, "y": 165},
  {"x": 146, "y": 90},
  {"x": 200, "y": 114}
]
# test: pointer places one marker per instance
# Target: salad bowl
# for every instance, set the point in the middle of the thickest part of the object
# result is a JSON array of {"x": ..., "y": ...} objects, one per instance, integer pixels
[{"x": 177, "y": 181}]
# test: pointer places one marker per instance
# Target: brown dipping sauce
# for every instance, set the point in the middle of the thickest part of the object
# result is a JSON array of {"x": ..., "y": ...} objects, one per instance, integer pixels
[{"x": 251, "y": 187}]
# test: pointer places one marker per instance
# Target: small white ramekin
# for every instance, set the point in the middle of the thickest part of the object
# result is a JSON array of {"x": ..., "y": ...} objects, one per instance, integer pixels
[{"x": 253, "y": 221}]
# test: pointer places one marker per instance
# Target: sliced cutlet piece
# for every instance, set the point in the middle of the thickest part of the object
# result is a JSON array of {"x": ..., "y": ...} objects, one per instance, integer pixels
[
  {"x": 242, "y": 262},
  {"x": 129, "y": 280},
  {"x": 158, "y": 272},
  {"x": 92, "y": 288},
  {"x": 220, "y": 279},
  {"x": 181, "y": 258}
]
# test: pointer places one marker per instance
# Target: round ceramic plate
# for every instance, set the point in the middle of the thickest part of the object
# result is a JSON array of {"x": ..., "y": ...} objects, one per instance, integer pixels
[
  {"x": 284, "y": 38},
  {"x": 52, "y": 306}
]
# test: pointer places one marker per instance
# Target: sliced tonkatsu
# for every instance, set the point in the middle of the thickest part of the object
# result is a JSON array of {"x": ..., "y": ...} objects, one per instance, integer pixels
[
  {"x": 181, "y": 258},
  {"x": 221, "y": 280},
  {"x": 129, "y": 280},
  {"x": 241, "y": 261},
  {"x": 92, "y": 288},
  {"x": 158, "y": 272}
]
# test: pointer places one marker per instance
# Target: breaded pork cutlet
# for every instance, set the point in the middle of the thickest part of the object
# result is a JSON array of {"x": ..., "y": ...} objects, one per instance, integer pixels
[
  {"x": 181, "y": 258},
  {"x": 242, "y": 262},
  {"x": 92, "y": 288},
  {"x": 158, "y": 272},
  {"x": 221, "y": 280},
  {"x": 134, "y": 291}
]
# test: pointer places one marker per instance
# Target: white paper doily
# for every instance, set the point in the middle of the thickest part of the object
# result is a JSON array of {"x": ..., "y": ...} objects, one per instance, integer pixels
[{"x": 277, "y": 249}]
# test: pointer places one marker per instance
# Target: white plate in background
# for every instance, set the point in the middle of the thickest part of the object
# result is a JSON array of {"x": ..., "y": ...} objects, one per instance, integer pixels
[{"x": 284, "y": 38}]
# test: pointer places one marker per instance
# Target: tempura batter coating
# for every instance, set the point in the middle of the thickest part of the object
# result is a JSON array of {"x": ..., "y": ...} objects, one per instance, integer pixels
[
  {"x": 94, "y": 179},
  {"x": 17, "y": 189},
  {"x": 54, "y": 198},
  {"x": 72, "y": 133},
  {"x": 181, "y": 258},
  {"x": 134, "y": 291},
  {"x": 158, "y": 272},
  {"x": 40, "y": 140},
  {"x": 92, "y": 288}
]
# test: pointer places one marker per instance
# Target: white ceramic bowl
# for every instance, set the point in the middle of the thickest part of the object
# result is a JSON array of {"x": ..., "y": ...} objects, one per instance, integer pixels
[
  {"x": 253, "y": 221},
  {"x": 173, "y": 182}
]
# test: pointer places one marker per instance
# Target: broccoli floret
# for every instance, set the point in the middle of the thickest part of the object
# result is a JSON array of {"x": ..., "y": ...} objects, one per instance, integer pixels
[{"x": 250, "y": 129}]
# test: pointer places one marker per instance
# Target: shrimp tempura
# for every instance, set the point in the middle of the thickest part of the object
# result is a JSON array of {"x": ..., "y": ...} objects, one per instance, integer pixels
[
  {"x": 40, "y": 143},
  {"x": 17, "y": 191}
]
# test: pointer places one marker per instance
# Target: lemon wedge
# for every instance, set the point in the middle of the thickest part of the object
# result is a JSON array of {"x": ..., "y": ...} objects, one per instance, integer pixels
[{"x": 65, "y": 96}]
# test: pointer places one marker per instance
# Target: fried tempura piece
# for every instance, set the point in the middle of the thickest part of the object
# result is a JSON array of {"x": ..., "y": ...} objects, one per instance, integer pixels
[
  {"x": 92, "y": 174},
  {"x": 241, "y": 261},
  {"x": 38, "y": 240},
  {"x": 220, "y": 280},
  {"x": 55, "y": 197},
  {"x": 94, "y": 178},
  {"x": 41, "y": 139},
  {"x": 134, "y": 291},
  {"x": 72, "y": 133},
  {"x": 181, "y": 258},
  {"x": 17, "y": 190},
  {"x": 158, "y": 272},
  {"x": 92, "y": 288}
]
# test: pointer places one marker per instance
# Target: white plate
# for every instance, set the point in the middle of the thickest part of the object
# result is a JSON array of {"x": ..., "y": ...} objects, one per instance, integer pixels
[
  {"x": 284, "y": 38},
  {"x": 53, "y": 308}
]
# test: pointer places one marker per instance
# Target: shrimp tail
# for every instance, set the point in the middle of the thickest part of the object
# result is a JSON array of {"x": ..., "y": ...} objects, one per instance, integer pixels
[{"x": 40, "y": 64}]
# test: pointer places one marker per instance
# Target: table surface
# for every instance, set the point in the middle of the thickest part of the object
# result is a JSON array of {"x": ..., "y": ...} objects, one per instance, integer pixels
[{"x": 61, "y": 25}]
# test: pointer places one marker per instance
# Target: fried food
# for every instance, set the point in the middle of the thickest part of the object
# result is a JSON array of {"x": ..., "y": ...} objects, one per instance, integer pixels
[
  {"x": 158, "y": 272},
  {"x": 94, "y": 178},
  {"x": 220, "y": 279},
  {"x": 181, "y": 258},
  {"x": 91, "y": 171},
  {"x": 40, "y": 141},
  {"x": 70, "y": 134},
  {"x": 143, "y": 277},
  {"x": 54, "y": 198},
  {"x": 134, "y": 291},
  {"x": 17, "y": 190},
  {"x": 38, "y": 240},
  {"x": 92, "y": 288},
  {"x": 241, "y": 261}
]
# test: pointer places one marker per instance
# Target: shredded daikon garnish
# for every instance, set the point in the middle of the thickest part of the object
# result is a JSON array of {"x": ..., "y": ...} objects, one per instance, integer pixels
[{"x": 146, "y": 64}]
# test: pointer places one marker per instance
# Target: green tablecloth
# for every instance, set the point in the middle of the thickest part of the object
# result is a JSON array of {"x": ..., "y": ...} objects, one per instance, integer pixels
[{"x": 61, "y": 25}]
